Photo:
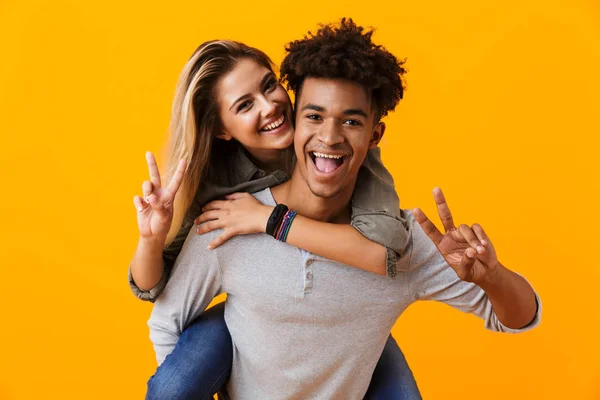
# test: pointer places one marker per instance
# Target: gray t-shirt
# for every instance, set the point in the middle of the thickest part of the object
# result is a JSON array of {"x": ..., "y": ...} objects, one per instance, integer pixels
[{"x": 304, "y": 327}]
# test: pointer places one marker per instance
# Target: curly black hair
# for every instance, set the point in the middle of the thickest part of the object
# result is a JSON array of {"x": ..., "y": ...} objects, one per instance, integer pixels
[{"x": 346, "y": 51}]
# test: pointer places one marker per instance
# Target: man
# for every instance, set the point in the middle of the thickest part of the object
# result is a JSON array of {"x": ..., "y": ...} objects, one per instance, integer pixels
[{"x": 306, "y": 327}]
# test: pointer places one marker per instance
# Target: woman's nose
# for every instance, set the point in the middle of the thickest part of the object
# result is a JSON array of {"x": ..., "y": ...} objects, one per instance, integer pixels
[{"x": 268, "y": 108}]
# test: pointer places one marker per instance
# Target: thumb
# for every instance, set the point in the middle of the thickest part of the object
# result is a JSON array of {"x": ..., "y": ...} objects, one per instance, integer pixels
[
  {"x": 139, "y": 204},
  {"x": 465, "y": 268}
]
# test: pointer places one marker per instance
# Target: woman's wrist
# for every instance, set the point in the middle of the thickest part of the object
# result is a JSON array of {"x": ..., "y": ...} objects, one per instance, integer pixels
[{"x": 151, "y": 243}]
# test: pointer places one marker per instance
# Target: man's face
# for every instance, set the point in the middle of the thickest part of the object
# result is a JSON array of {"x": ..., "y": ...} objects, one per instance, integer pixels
[{"x": 335, "y": 127}]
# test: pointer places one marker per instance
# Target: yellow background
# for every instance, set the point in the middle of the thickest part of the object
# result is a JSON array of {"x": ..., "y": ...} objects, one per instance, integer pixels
[{"x": 501, "y": 111}]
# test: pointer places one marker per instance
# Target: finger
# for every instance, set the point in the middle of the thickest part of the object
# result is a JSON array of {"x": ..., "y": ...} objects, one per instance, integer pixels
[
  {"x": 139, "y": 204},
  {"x": 158, "y": 206},
  {"x": 153, "y": 169},
  {"x": 208, "y": 216},
  {"x": 471, "y": 238},
  {"x": 481, "y": 235},
  {"x": 215, "y": 205},
  {"x": 428, "y": 227},
  {"x": 225, "y": 236},
  {"x": 465, "y": 268},
  {"x": 177, "y": 177},
  {"x": 147, "y": 189},
  {"x": 236, "y": 196},
  {"x": 443, "y": 209},
  {"x": 210, "y": 226}
]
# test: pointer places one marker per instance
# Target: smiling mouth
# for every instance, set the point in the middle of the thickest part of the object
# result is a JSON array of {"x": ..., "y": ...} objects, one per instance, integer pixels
[
  {"x": 274, "y": 125},
  {"x": 326, "y": 162}
]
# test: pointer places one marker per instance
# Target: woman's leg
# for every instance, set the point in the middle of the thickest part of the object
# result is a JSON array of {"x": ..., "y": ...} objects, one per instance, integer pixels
[
  {"x": 199, "y": 365},
  {"x": 392, "y": 378}
]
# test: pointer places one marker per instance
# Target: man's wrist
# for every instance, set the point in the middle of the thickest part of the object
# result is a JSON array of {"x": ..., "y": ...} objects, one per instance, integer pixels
[{"x": 493, "y": 278}]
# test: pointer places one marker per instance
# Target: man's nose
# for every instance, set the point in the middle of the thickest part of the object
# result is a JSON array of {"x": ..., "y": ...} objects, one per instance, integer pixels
[{"x": 330, "y": 133}]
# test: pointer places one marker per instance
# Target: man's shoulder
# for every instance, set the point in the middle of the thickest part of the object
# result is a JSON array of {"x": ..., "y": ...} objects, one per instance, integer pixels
[
  {"x": 199, "y": 242},
  {"x": 420, "y": 250},
  {"x": 265, "y": 196}
]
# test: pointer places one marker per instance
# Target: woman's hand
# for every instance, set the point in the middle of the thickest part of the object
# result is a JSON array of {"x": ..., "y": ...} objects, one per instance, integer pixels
[
  {"x": 155, "y": 210},
  {"x": 467, "y": 249},
  {"x": 240, "y": 214}
]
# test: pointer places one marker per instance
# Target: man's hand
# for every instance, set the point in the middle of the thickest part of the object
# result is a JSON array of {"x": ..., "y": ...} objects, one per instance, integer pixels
[{"x": 467, "y": 249}]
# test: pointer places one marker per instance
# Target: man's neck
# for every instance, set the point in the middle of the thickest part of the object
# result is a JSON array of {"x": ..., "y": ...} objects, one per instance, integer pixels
[{"x": 296, "y": 194}]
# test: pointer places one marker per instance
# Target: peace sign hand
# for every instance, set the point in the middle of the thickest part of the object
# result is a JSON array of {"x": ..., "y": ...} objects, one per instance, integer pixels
[
  {"x": 155, "y": 210},
  {"x": 466, "y": 249}
]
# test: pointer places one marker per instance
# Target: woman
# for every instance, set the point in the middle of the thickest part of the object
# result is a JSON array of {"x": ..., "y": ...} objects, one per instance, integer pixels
[{"x": 232, "y": 127}]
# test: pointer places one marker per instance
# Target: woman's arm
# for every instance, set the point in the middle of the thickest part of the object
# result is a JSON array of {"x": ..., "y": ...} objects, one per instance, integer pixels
[
  {"x": 338, "y": 242},
  {"x": 154, "y": 216},
  {"x": 152, "y": 263},
  {"x": 242, "y": 214}
]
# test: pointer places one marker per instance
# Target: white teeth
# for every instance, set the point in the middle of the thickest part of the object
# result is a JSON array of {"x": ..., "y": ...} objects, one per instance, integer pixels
[
  {"x": 274, "y": 125},
  {"x": 322, "y": 155}
]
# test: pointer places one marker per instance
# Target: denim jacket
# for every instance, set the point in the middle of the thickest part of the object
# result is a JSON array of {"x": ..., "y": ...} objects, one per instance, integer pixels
[{"x": 375, "y": 206}]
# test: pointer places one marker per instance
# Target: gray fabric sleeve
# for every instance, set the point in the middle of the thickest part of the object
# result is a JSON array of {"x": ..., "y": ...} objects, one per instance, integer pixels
[
  {"x": 376, "y": 209},
  {"x": 431, "y": 278},
  {"x": 195, "y": 279}
]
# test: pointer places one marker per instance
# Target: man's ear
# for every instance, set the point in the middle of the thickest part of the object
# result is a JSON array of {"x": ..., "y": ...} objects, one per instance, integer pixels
[
  {"x": 377, "y": 135},
  {"x": 224, "y": 136}
]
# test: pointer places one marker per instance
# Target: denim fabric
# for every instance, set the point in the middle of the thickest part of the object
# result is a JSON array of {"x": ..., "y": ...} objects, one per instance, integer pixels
[
  {"x": 199, "y": 365},
  {"x": 392, "y": 378}
]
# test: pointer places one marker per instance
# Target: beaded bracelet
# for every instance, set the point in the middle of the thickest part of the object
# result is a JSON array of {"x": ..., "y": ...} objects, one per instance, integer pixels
[{"x": 286, "y": 223}]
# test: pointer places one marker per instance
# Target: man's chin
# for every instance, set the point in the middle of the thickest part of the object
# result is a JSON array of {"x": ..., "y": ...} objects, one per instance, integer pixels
[{"x": 324, "y": 191}]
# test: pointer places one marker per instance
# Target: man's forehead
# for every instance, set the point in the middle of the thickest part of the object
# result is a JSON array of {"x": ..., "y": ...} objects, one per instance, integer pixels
[{"x": 334, "y": 93}]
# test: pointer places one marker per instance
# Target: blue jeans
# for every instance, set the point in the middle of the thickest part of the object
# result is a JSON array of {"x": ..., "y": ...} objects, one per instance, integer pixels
[{"x": 200, "y": 365}]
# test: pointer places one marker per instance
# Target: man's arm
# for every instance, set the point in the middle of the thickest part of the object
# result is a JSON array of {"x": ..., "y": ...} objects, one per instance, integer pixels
[
  {"x": 431, "y": 278},
  {"x": 460, "y": 268},
  {"x": 195, "y": 280}
]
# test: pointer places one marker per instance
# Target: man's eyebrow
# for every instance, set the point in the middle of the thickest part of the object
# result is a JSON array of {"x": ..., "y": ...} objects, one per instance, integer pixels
[
  {"x": 263, "y": 82},
  {"x": 313, "y": 107},
  {"x": 356, "y": 111}
]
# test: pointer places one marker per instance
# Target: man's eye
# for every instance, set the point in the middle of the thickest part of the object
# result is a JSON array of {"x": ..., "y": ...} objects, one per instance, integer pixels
[
  {"x": 314, "y": 117},
  {"x": 352, "y": 122},
  {"x": 246, "y": 104}
]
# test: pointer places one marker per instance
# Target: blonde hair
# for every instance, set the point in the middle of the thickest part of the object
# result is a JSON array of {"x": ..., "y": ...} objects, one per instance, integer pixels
[{"x": 195, "y": 117}]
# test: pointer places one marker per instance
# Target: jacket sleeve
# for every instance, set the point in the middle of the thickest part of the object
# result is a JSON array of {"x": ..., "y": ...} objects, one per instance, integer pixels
[{"x": 376, "y": 209}]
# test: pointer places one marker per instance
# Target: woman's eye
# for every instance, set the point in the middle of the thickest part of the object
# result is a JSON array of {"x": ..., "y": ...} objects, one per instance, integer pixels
[
  {"x": 271, "y": 85},
  {"x": 246, "y": 104}
]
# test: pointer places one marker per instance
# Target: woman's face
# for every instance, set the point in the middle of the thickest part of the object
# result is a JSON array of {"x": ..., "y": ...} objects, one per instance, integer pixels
[{"x": 255, "y": 110}]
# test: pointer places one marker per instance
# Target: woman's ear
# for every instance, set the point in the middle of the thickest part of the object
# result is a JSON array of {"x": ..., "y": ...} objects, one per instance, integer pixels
[
  {"x": 377, "y": 135},
  {"x": 224, "y": 136}
]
